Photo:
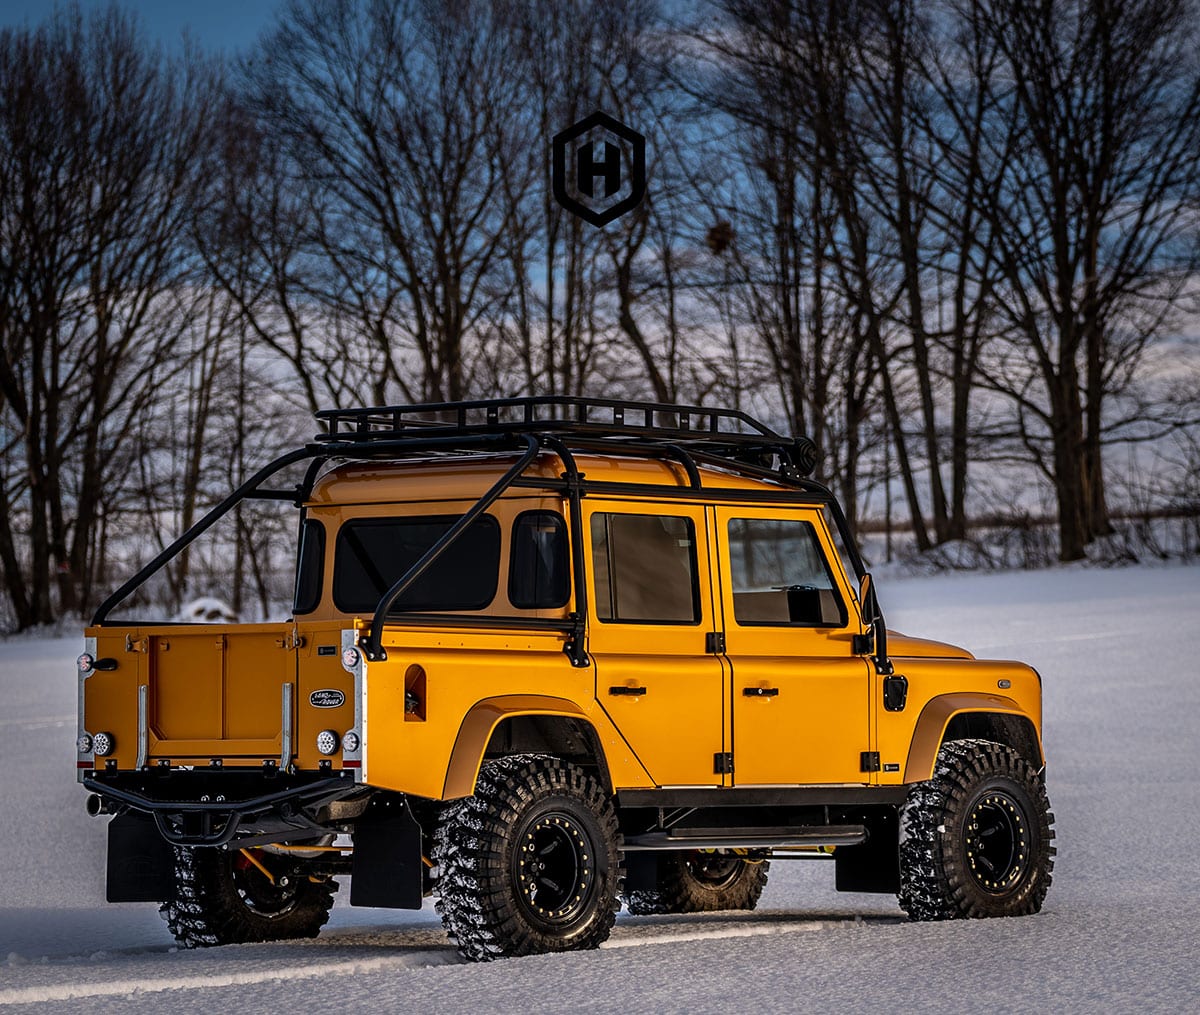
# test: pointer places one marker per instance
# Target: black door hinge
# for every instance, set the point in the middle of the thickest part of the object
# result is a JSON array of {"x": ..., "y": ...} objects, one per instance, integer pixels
[
  {"x": 869, "y": 761},
  {"x": 723, "y": 764},
  {"x": 714, "y": 642}
]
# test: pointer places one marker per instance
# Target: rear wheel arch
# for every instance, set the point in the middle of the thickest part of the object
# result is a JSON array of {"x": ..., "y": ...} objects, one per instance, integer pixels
[
  {"x": 522, "y": 724},
  {"x": 565, "y": 736}
]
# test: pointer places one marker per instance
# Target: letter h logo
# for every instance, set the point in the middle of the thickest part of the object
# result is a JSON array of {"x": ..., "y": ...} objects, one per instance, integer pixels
[{"x": 604, "y": 149}]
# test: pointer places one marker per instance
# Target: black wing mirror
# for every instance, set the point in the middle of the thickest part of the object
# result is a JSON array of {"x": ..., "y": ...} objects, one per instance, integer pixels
[{"x": 875, "y": 639}]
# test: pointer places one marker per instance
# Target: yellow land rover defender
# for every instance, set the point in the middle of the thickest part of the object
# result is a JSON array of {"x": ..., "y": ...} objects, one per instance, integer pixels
[{"x": 545, "y": 655}]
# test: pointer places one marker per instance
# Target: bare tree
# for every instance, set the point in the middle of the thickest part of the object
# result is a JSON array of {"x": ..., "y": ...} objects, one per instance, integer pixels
[
  {"x": 1092, "y": 218},
  {"x": 100, "y": 138},
  {"x": 391, "y": 118}
]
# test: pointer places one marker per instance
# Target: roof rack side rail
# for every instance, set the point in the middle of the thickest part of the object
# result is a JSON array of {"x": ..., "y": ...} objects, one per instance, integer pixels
[{"x": 728, "y": 433}]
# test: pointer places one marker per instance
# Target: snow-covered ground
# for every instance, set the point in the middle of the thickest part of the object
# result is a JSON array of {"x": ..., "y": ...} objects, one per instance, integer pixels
[{"x": 1120, "y": 930}]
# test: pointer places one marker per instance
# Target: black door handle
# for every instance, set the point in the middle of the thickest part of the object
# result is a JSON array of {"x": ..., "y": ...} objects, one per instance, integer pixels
[
  {"x": 760, "y": 692},
  {"x": 632, "y": 691}
]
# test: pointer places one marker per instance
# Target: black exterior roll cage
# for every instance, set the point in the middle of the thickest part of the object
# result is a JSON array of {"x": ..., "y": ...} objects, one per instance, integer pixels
[{"x": 681, "y": 434}]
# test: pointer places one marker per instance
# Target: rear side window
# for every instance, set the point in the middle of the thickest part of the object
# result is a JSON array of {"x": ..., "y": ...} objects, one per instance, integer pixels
[
  {"x": 372, "y": 554},
  {"x": 310, "y": 567},
  {"x": 645, "y": 569},
  {"x": 539, "y": 575}
]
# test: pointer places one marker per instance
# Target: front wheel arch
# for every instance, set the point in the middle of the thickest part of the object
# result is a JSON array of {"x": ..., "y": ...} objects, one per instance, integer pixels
[{"x": 969, "y": 715}]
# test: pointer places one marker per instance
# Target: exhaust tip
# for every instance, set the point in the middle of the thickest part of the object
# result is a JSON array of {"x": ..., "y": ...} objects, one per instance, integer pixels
[{"x": 96, "y": 805}]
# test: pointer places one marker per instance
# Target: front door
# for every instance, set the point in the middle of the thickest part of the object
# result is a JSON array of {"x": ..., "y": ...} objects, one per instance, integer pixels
[
  {"x": 650, "y": 611},
  {"x": 800, "y": 699}
]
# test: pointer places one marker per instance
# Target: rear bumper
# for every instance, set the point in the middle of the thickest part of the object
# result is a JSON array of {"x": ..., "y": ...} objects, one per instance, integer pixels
[{"x": 212, "y": 809}]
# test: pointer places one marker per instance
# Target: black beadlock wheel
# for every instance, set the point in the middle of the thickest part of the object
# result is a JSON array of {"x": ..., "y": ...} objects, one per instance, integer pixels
[
  {"x": 701, "y": 881},
  {"x": 225, "y": 897},
  {"x": 976, "y": 839},
  {"x": 530, "y": 863}
]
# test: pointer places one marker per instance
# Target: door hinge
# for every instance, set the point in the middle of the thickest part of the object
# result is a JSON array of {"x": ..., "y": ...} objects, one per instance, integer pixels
[
  {"x": 723, "y": 763},
  {"x": 136, "y": 644},
  {"x": 714, "y": 642},
  {"x": 869, "y": 761}
]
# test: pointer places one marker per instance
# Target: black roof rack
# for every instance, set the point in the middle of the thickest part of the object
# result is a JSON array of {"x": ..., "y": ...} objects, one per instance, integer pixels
[{"x": 724, "y": 433}]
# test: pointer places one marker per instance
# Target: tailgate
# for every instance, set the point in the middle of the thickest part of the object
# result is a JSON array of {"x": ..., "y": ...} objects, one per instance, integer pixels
[{"x": 191, "y": 695}]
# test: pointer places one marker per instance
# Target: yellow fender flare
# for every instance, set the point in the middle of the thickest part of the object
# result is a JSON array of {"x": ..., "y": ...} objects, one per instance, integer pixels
[
  {"x": 479, "y": 724},
  {"x": 936, "y": 716}
]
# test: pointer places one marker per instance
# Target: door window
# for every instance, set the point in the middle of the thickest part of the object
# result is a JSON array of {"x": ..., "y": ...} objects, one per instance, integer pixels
[
  {"x": 780, "y": 575},
  {"x": 645, "y": 569}
]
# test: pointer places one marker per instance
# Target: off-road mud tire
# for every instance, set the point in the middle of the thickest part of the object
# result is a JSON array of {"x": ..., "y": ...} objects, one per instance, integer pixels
[
  {"x": 531, "y": 863},
  {"x": 698, "y": 882},
  {"x": 221, "y": 899},
  {"x": 976, "y": 839}
]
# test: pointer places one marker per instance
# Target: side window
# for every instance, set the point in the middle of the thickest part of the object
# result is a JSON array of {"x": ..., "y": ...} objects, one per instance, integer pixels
[
  {"x": 310, "y": 567},
  {"x": 539, "y": 572},
  {"x": 780, "y": 576},
  {"x": 645, "y": 569},
  {"x": 372, "y": 554}
]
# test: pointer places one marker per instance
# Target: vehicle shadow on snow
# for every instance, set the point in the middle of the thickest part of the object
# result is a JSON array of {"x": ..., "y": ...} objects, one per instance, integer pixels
[
  {"x": 748, "y": 920},
  {"x": 32, "y": 935},
  {"x": 29, "y": 936}
]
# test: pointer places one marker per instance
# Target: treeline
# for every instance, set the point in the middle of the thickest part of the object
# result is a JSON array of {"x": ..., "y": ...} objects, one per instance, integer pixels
[{"x": 953, "y": 241}]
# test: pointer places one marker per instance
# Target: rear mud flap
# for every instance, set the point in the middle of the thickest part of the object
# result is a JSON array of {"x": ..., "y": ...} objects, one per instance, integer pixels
[
  {"x": 141, "y": 864},
  {"x": 387, "y": 871}
]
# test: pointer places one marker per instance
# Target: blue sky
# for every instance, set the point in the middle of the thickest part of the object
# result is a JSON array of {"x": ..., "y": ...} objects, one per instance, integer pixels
[{"x": 215, "y": 24}]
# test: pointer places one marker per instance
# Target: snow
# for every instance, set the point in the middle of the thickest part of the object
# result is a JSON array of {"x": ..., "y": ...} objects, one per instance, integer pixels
[{"x": 1120, "y": 930}]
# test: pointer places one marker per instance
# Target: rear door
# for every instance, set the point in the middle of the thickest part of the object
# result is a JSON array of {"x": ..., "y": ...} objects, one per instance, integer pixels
[
  {"x": 650, "y": 610},
  {"x": 800, "y": 699}
]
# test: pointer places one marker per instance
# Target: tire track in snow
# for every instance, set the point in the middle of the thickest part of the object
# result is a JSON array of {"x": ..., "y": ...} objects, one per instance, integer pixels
[
  {"x": 38, "y": 722},
  {"x": 121, "y": 988}
]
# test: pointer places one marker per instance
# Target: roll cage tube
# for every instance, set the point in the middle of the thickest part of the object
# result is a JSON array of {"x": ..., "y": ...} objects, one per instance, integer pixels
[
  {"x": 249, "y": 490},
  {"x": 374, "y": 643}
]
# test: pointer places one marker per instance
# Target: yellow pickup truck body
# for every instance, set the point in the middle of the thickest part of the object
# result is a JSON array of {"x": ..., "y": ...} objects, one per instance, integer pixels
[{"x": 689, "y": 630}]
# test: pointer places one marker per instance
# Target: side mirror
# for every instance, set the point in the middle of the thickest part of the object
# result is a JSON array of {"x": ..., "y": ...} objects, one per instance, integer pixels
[
  {"x": 866, "y": 599},
  {"x": 865, "y": 642},
  {"x": 875, "y": 639}
]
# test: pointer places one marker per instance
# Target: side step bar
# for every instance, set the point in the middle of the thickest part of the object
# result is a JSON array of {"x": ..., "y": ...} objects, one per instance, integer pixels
[{"x": 748, "y": 838}]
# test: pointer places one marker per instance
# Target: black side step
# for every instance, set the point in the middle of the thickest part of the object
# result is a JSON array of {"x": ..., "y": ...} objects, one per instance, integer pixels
[{"x": 748, "y": 838}]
